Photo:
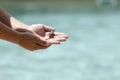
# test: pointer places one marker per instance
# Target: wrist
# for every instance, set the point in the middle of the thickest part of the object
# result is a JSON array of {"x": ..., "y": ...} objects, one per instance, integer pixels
[
  {"x": 16, "y": 37},
  {"x": 17, "y": 25}
]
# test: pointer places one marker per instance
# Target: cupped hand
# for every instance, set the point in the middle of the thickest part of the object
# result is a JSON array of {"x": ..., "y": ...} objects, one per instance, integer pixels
[
  {"x": 37, "y": 37},
  {"x": 43, "y": 32},
  {"x": 31, "y": 42}
]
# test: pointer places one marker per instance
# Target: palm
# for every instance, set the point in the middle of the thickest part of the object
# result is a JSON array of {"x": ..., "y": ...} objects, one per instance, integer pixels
[
  {"x": 39, "y": 30},
  {"x": 43, "y": 32}
]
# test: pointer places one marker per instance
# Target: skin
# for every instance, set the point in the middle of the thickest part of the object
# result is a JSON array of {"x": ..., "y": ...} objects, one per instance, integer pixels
[{"x": 33, "y": 37}]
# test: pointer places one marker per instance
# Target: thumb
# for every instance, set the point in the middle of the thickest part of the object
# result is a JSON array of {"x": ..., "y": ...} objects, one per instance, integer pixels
[
  {"x": 42, "y": 42},
  {"x": 49, "y": 28}
]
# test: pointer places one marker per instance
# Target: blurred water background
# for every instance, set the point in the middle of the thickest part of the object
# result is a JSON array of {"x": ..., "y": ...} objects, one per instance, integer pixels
[{"x": 91, "y": 53}]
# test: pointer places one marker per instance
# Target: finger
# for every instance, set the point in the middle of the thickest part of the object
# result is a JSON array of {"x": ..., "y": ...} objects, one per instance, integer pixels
[
  {"x": 61, "y": 36},
  {"x": 53, "y": 41},
  {"x": 42, "y": 42},
  {"x": 57, "y": 40},
  {"x": 60, "y": 39},
  {"x": 49, "y": 28},
  {"x": 59, "y": 33},
  {"x": 39, "y": 47}
]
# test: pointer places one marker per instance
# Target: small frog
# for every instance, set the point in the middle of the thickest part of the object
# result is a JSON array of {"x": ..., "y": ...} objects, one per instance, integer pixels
[{"x": 51, "y": 34}]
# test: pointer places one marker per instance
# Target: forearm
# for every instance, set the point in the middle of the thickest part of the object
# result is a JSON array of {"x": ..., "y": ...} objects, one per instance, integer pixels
[
  {"x": 16, "y": 24},
  {"x": 8, "y": 34},
  {"x": 10, "y": 21}
]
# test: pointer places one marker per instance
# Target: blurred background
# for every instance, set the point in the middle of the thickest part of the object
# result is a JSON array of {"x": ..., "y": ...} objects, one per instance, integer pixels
[{"x": 91, "y": 53}]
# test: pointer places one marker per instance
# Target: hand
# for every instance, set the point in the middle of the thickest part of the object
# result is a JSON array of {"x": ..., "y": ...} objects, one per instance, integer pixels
[
  {"x": 43, "y": 32},
  {"x": 37, "y": 37},
  {"x": 31, "y": 42}
]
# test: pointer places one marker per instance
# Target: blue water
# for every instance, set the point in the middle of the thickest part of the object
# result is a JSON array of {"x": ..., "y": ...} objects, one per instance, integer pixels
[{"x": 91, "y": 53}]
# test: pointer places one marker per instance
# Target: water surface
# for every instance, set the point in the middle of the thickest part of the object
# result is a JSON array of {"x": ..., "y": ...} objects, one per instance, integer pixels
[{"x": 91, "y": 53}]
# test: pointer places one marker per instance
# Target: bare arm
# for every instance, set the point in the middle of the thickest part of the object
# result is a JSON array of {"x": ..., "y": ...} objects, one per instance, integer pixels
[
  {"x": 32, "y": 38},
  {"x": 27, "y": 40},
  {"x": 8, "y": 34},
  {"x": 10, "y": 21}
]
